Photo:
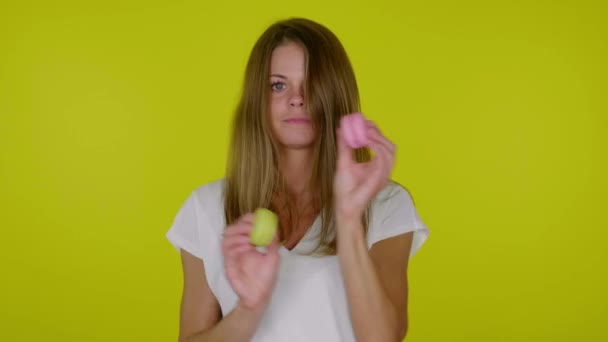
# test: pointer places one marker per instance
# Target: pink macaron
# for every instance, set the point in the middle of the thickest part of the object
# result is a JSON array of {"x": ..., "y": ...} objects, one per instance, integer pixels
[{"x": 354, "y": 130}]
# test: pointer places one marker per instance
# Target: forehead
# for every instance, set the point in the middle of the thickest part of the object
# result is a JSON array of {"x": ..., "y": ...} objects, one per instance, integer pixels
[{"x": 288, "y": 57}]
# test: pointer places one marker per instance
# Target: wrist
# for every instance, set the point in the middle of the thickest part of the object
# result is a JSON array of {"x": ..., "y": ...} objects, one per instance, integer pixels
[
  {"x": 351, "y": 240},
  {"x": 347, "y": 212},
  {"x": 348, "y": 218},
  {"x": 349, "y": 227},
  {"x": 250, "y": 311}
]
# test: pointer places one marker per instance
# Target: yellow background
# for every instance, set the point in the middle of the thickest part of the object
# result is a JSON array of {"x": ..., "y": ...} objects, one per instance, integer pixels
[{"x": 111, "y": 113}]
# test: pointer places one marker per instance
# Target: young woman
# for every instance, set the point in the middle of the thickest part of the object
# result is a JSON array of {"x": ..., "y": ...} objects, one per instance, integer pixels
[{"x": 337, "y": 268}]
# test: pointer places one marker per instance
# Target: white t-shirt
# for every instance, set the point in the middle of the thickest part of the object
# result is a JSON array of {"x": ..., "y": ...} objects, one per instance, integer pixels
[{"x": 309, "y": 300}]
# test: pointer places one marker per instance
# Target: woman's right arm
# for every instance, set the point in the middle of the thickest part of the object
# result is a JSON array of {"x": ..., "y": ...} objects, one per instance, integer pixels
[{"x": 200, "y": 314}]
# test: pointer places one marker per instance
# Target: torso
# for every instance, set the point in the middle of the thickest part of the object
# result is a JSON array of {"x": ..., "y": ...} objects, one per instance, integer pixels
[
  {"x": 306, "y": 216},
  {"x": 309, "y": 300}
]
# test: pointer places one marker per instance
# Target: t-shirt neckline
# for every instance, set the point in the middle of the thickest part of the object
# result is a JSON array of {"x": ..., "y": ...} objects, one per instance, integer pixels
[{"x": 305, "y": 238}]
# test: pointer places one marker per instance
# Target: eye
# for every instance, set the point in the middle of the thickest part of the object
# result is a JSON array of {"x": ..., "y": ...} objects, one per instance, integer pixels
[{"x": 278, "y": 86}]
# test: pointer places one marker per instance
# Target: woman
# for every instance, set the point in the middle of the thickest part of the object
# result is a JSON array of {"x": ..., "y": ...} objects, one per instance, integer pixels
[{"x": 337, "y": 269}]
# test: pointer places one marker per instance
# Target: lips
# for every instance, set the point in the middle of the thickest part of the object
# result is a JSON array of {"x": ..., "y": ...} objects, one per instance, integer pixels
[{"x": 298, "y": 120}]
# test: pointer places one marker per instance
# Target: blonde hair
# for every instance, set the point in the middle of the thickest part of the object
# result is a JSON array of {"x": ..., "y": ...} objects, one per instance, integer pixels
[{"x": 252, "y": 173}]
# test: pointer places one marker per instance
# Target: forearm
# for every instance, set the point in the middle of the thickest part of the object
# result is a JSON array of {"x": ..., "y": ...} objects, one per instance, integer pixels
[
  {"x": 238, "y": 326},
  {"x": 373, "y": 316}
]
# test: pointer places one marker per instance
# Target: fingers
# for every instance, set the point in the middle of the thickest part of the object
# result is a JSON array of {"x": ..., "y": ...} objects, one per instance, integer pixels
[
  {"x": 383, "y": 153},
  {"x": 344, "y": 158},
  {"x": 381, "y": 146},
  {"x": 374, "y": 132},
  {"x": 247, "y": 218},
  {"x": 382, "y": 163},
  {"x": 236, "y": 251},
  {"x": 273, "y": 248},
  {"x": 235, "y": 244},
  {"x": 235, "y": 240},
  {"x": 238, "y": 229},
  {"x": 242, "y": 226},
  {"x": 236, "y": 237}
]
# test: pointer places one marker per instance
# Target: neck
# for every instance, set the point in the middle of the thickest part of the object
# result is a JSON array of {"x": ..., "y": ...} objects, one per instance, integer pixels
[{"x": 296, "y": 168}]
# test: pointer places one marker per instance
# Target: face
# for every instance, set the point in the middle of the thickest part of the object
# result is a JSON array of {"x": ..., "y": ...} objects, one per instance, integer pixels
[{"x": 291, "y": 125}]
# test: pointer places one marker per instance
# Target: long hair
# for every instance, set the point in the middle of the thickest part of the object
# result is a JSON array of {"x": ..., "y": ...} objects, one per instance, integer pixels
[{"x": 252, "y": 173}]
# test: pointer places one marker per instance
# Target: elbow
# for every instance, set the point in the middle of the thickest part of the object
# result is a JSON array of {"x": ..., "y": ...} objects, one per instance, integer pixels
[
  {"x": 190, "y": 337},
  {"x": 384, "y": 335},
  {"x": 395, "y": 335},
  {"x": 402, "y": 333},
  {"x": 402, "y": 328}
]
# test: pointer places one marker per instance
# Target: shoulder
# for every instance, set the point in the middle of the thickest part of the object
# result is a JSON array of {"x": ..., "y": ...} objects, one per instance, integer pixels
[
  {"x": 393, "y": 194},
  {"x": 198, "y": 223},
  {"x": 210, "y": 192},
  {"x": 208, "y": 199},
  {"x": 393, "y": 213}
]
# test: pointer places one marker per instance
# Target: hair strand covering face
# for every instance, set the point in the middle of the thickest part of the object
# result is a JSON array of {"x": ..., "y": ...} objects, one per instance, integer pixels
[{"x": 252, "y": 174}]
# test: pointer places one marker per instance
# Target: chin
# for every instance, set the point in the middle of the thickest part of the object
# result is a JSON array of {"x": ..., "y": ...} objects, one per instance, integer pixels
[
  {"x": 296, "y": 140},
  {"x": 298, "y": 145}
]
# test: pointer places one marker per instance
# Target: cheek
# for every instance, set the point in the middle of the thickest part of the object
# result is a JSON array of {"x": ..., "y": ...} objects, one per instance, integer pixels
[
  {"x": 273, "y": 108},
  {"x": 274, "y": 115},
  {"x": 276, "y": 105},
  {"x": 273, "y": 119}
]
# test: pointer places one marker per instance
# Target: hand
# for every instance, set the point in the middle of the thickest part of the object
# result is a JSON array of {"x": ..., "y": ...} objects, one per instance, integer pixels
[
  {"x": 252, "y": 274},
  {"x": 355, "y": 184}
]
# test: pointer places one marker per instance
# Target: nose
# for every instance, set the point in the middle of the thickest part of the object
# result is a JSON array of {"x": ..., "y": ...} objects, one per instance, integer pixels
[{"x": 296, "y": 100}]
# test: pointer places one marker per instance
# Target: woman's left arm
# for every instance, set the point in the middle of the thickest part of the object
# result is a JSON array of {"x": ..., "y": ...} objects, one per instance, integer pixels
[{"x": 375, "y": 281}]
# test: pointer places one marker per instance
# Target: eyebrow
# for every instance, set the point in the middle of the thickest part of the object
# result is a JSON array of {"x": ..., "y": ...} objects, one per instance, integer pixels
[{"x": 279, "y": 76}]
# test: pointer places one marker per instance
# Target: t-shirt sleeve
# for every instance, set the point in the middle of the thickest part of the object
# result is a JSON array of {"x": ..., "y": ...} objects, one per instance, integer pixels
[
  {"x": 394, "y": 213},
  {"x": 184, "y": 232}
]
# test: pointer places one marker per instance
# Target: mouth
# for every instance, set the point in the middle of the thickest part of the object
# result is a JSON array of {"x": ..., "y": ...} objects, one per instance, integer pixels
[{"x": 297, "y": 121}]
